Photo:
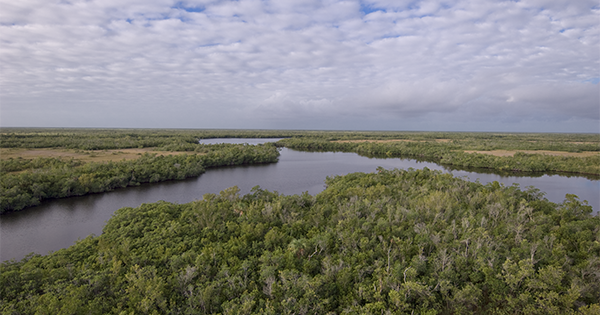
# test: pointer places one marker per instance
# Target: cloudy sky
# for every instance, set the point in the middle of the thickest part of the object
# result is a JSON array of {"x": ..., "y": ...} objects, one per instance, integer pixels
[{"x": 473, "y": 65}]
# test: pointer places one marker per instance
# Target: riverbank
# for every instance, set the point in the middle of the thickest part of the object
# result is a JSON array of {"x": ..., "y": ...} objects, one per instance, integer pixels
[
  {"x": 32, "y": 181},
  {"x": 462, "y": 153},
  {"x": 39, "y": 164}
]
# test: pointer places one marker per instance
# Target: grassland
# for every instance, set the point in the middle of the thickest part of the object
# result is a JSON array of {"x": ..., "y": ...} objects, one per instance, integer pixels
[
  {"x": 543, "y": 152},
  {"x": 82, "y": 155}
]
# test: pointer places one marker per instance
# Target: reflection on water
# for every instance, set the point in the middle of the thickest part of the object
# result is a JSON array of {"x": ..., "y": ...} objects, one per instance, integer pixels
[{"x": 59, "y": 223}]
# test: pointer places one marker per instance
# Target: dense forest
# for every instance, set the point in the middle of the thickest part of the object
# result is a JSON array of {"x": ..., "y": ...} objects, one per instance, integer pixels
[{"x": 390, "y": 242}]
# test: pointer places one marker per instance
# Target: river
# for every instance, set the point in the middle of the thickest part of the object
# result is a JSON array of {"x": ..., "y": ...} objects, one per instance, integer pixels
[{"x": 59, "y": 223}]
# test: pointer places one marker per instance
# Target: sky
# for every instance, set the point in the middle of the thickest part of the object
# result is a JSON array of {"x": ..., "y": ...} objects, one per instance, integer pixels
[{"x": 456, "y": 65}]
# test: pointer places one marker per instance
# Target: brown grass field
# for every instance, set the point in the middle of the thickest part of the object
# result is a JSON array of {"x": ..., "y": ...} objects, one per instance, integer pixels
[
  {"x": 546, "y": 152},
  {"x": 82, "y": 155},
  {"x": 390, "y": 140}
]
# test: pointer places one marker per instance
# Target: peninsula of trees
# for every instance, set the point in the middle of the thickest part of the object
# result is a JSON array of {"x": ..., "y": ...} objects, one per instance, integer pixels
[{"x": 392, "y": 242}]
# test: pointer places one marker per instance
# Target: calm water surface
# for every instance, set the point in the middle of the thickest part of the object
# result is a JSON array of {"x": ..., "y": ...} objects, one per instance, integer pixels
[{"x": 59, "y": 223}]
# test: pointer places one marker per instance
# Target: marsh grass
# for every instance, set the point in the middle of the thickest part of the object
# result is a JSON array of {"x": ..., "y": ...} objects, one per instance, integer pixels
[{"x": 81, "y": 155}]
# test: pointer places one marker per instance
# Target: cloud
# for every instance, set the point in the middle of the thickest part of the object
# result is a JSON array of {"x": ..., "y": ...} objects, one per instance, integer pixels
[{"x": 207, "y": 64}]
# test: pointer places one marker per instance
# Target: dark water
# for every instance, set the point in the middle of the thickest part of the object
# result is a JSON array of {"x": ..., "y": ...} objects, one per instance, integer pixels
[{"x": 59, "y": 223}]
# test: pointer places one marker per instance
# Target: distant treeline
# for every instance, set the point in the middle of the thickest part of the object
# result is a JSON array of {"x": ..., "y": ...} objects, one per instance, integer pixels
[
  {"x": 392, "y": 242},
  {"x": 451, "y": 153},
  {"x": 25, "y": 182},
  {"x": 106, "y": 139},
  {"x": 100, "y": 139},
  {"x": 478, "y": 140},
  {"x": 46, "y": 178}
]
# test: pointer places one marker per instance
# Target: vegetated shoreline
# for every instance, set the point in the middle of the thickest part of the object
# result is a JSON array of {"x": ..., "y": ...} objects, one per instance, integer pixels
[
  {"x": 453, "y": 154},
  {"x": 25, "y": 183},
  {"x": 52, "y": 178},
  {"x": 395, "y": 240}
]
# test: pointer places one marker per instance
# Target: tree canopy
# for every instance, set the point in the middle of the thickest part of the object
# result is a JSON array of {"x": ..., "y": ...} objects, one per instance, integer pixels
[{"x": 391, "y": 242}]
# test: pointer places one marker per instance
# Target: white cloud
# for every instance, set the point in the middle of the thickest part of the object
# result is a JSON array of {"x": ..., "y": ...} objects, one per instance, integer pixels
[{"x": 244, "y": 63}]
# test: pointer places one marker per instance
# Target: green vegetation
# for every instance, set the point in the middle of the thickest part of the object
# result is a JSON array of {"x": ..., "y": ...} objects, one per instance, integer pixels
[
  {"x": 452, "y": 153},
  {"x": 26, "y": 182},
  {"x": 102, "y": 139},
  {"x": 399, "y": 242},
  {"x": 45, "y": 178}
]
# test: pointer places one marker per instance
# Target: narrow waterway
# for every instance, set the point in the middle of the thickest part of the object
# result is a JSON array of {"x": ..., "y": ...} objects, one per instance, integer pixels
[{"x": 59, "y": 223}]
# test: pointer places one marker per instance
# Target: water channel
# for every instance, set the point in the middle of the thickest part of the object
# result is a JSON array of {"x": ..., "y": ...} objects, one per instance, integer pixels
[{"x": 59, "y": 223}]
